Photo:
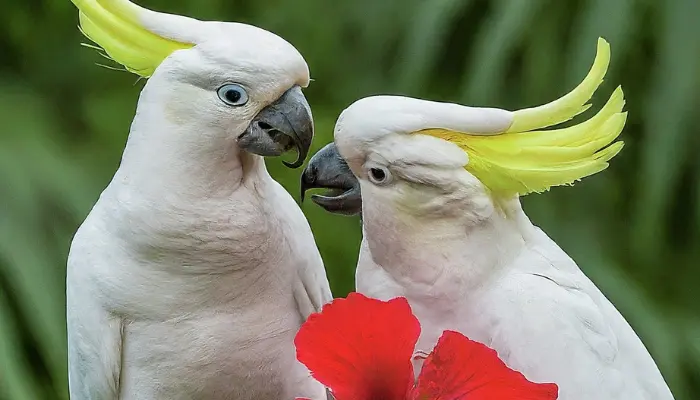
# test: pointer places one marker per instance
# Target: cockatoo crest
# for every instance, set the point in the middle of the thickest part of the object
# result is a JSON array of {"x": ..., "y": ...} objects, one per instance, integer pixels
[
  {"x": 140, "y": 39},
  {"x": 523, "y": 159},
  {"x": 119, "y": 27}
]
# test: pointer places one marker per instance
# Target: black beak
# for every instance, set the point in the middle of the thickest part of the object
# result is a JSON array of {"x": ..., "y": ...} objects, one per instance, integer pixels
[
  {"x": 283, "y": 125},
  {"x": 328, "y": 170}
]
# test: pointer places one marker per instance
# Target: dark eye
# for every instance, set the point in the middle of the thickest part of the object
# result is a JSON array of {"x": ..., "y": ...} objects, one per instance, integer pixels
[
  {"x": 233, "y": 94},
  {"x": 378, "y": 175}
]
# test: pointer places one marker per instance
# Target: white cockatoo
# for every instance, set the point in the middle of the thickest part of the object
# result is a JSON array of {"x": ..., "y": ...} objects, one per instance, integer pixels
[
  {"x": 438, "y": 186},
  {"x": 195, "y": 269}
]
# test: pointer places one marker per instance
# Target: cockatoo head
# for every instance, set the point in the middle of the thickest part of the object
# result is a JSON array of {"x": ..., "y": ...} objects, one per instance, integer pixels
[
  {"x": 224, "y": 82},
  {"x": 430, "y": 159}
]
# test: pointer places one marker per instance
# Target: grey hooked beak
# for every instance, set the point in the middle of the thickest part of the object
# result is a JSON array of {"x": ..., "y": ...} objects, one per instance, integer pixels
[
  {"x": 328, "y": 170},
  {"x": 283, "y": 125}
]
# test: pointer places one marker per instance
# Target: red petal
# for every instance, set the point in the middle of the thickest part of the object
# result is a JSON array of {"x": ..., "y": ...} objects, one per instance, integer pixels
[
  {"x": 361, "y": 348},
  {"x": 462, "y": 369}
]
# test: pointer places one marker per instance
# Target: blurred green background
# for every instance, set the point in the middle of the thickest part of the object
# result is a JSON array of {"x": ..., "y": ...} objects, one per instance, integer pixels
[{"x": 634, "y": 229}]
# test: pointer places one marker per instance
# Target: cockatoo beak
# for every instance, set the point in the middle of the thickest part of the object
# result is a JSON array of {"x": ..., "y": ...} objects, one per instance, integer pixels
[
  {"x": 328, "y": 170},
  {"x": 282, "y": 126}
]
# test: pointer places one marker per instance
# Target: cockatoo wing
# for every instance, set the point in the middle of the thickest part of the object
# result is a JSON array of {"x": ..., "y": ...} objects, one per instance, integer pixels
[
  {"x": 95, "y": 343},
  {"x": 311, "y": 290},
  {"x": 551, "y": 321}
]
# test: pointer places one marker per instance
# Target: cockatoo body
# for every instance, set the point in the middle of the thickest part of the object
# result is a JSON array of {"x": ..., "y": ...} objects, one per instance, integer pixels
[
  {"x": 443, "y": 226},
  {"x": 194, "y": 270}
]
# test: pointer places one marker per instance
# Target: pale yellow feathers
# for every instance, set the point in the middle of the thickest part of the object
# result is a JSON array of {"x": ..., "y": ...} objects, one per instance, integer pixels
[
  {"x": 115, "y": 26},
  {"x": 523, "y": 160}
]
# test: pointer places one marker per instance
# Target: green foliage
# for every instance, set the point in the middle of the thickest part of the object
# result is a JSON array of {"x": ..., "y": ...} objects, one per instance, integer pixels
[{"x": 634, "y": 229}]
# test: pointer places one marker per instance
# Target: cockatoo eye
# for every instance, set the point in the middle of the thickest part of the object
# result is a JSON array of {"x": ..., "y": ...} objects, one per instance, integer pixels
[
  {"x": 233, "y": 94},
  {"x": 379, "y": 175}
]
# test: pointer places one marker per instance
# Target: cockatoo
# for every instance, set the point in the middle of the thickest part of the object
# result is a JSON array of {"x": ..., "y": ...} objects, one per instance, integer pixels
[
  {"x": 194, "y": 270},
  {"x": 439, "y": 186}
]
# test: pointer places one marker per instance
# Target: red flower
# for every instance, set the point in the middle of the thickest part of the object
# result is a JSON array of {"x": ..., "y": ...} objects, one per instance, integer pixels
[{"x": 361, "y": 349}]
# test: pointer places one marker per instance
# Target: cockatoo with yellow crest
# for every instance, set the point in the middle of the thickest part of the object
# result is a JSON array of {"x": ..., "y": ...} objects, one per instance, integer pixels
[
  {"x": 194, "y": 270},
  {"x": 438, "y": 188}
]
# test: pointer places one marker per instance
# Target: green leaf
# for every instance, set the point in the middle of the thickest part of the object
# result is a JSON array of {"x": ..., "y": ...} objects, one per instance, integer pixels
[
  {"x": 670, "y": 121},
  {"x": 498, "y": 38},
  {"x": 425, "y": 39}
]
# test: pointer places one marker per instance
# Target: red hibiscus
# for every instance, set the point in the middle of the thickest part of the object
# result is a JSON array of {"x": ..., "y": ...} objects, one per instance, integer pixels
[{"x": 361, "y": 349}]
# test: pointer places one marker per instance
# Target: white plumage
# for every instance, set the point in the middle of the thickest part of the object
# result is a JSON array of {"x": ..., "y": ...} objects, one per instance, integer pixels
[
  {"x": 469, "y": 261},
  {"x": 194, "y": 270}
]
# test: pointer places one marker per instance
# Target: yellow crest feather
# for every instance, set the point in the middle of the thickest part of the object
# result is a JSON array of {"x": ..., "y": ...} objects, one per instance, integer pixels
[
  {"x": 522, "y": 160},
  {"x": 114, "y": 25}
]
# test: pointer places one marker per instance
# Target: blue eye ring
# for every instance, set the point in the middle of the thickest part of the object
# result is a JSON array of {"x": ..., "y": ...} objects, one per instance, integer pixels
[{"x": 233, "y": 94}]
